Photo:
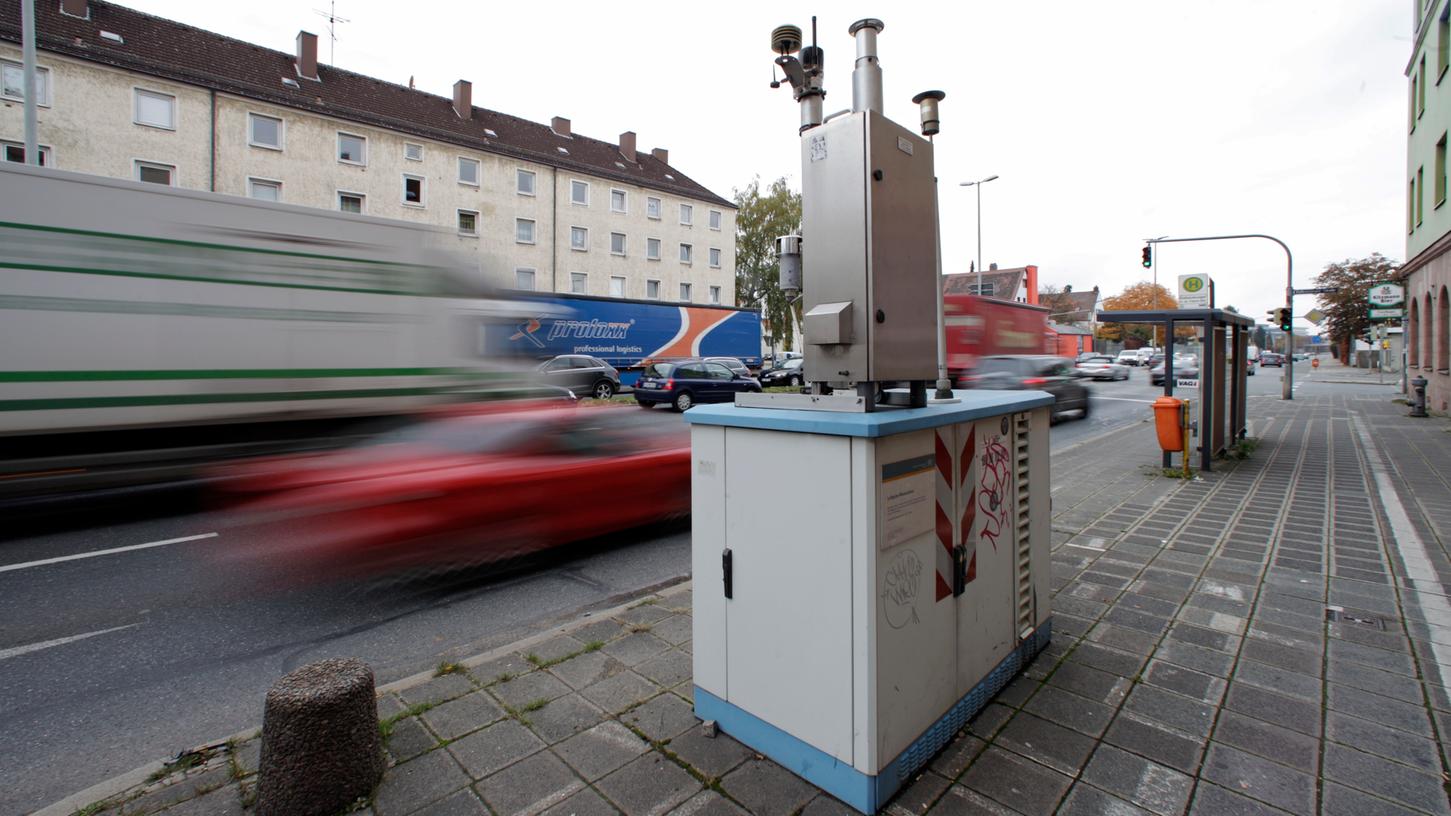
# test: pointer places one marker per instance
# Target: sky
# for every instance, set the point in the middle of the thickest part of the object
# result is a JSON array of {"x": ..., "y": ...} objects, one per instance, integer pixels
[{"x": 1106, "y": 122}]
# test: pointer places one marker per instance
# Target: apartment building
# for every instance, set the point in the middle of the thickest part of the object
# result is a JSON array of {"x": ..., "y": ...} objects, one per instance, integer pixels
[
  {"x": 1427, "y": 271},
  {"x": 537, "y": 206}
]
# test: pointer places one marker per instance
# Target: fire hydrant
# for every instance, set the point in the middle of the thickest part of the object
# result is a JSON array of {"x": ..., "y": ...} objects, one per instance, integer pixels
[{"x": 1418, "y": 397}]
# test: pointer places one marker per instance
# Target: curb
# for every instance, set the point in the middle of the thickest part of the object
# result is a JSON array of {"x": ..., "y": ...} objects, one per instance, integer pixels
[{"x": 130, "y": 779}]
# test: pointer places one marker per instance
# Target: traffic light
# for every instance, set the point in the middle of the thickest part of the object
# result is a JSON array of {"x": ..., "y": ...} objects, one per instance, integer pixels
[
  {"x": 1148, "y": 256},
  {"x": 1284, "y": 319}
]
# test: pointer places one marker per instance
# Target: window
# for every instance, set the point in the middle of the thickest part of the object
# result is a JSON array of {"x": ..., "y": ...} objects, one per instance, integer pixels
[
  {"x": 154, "y": 173},
  {"x": 715, "y": 220},
  {"x": 524, "y": 279},
  {"x": 1420, "y": 194},
  {"x": 578, "y": 283},
  {"x": 352, "y": 149},
  {"x": 1443, "y": 46},
  {"x": 687, "y": 253},
  {"x": 715, "y": 295},
  {"x": 685, "y": 292},
  {"x": 1415, "y": 87},
  {"x": 687, "y": 213},
  {"x": 15, "y": 152},
  {"x": 652, "y": 208},
  {"x": 714, "y": 258},
  {"x": 350, "y": 202},
  {"x": 264, "y": 189},
  {"x": 618, "y": 201},
  {"x": 524, "y": 230},
  {"x": 579, "y": 192},
  {"x": 468, "y": 171},
  {"x": 652, "y": 249},
  {"x": 1421, "y": 95},
  {"x": 579, "y": 239},
  {"x": 156, "y": 110},
  {"x": 985, "y": 290},
  {"x": 617, "y": 243},
  {"x": 468, "y": 222},
  {"x": 412, "y": 190},
  {"x": 524, "y": 182},
  {"x": 652, "y": 289},
  {"x": 617, "y": 286},
  {"x": 1440, "y": 171},
  {"x": 1411, "y": 206},
  {"x": 12, "y": 82},
  {"x": 412, "y": 152},
  {"x": 264, "y": 131}
]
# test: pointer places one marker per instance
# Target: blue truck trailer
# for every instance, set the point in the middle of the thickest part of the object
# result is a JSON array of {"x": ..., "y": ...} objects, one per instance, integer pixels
[{"x": 628, "y": 333}]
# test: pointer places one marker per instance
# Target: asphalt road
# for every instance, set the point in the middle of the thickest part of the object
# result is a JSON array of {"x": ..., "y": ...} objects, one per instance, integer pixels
[{"x": 111, "y": 660}]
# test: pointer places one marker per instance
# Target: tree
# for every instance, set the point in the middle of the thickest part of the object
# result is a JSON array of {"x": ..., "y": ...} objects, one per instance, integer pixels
[
  {"x": 1055, "y": 299},
  {"x": 1142, "y": 296},
  {"x": 1346, "y": 312},
  {"x": 763, "y": 217}
]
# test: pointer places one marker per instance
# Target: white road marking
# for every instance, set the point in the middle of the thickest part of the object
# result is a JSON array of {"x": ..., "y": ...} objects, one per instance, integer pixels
[
  {"x": 16, "y": 651},
  {"x": 44, "y": 561},
  {"x": 1408, "y": 543}
]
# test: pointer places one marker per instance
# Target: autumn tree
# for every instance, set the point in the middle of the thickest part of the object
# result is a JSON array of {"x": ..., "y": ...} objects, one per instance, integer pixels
[
  {"x": 1142, "y": 296},
  {"x": 762, "y": 217},
  {"x": 1055, "y": 299},
  {"x": 1346, "y": 312}
]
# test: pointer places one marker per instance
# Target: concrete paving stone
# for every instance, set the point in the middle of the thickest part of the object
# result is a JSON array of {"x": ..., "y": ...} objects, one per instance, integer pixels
[
  {"x": 1386, "y": 779},
  {"x": 1125, "y": 638},
  {"x": 1389, "y": 743},
  {"x": 1208, "y": 661},
  {"x": 1252, "y": 776},
  {"x": 1080, "y": 607},
  {"x": 554, "y": 648},
  {"x": 459, "y": 803},
  {"x": 1407, "y": 717},
  {"x": 1145, "y": 622},
  {"x": 1104, "y": 658},
  {"x": 224, "y": 801},
  {"x": 462, "y": 715},
  {"x": 494, "y": 748},
  {"x": 1148, "y": 784},
  {"x": 495, "y": 671},
  {"x": 178, "y": 789},
  {"x": 648, "y": 785},
  {"x": 1176, "y": 711},
  {"x": 1147, "y": 738},
  {"x": 564, "y": 717},
  {"x": 644, "y": 613},
  {"x": 1268, "y": 740},
  {"x": 1398, "y": 662},
  {"x": 1086, "y": 800},
  {"x": 408, "y": 786},
  {"x": 636, "y": 648},
  {"x": 918, "y": 795},
  {"x": 1097, "y": 593},
  {"x": 1287, "y": 637},
  {"x": 409, "y": 739},
  {"x": 669, "y": 669},
  {"x": 713, "y": 757},
  {"x": 1298, "y": 604},
  {"x": 1209, "y": 619},
  {"x": 1278, "y": 680},
  {"x": 1106, "y": 579},
  {"x": 960, "y": 801},
  {"x": 603, "y": 630},
  {"x": 1297, "y": 715},
  {"x": 1071, "y": 710},
  {"x": 1007, "y": 778},
  {"x": 601, "y": 749},
  {"x": 1046, "y": 742},
  {"x": 1338, "y": 800},
  {"x": 583, "y": 803},
  {"x": 674, "y": 629},
  {"x": 662, "y": 717},
  {"x": 620, "y": 692},
  {"x": 1017, "y": 692},
  {"x": 388, "y": 705},
  {"x": 1207, "y": 638},
  {"x": 587, "y": 669},
  {"x": 710, "y": 803},
  {"x": 1065, "y": 625},
  {"x": 991, "y": 718},
  {"x": 1185, "y": 681},
  {"x": 438, "y": 690},
  {"x": 954, "y": 758},
  {"x": 248, "y": 756},
  {"x": 1089, "y": 682},
  {"x": 526, "y": 689},
  {"x": 1115, "y": 567},
  {"x": 1169, "y": 578},
  {"x": 529, "y": 786}
]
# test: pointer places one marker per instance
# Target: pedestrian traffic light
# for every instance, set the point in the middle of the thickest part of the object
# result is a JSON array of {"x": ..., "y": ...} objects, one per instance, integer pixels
[{"x": 1148, "y": 256}]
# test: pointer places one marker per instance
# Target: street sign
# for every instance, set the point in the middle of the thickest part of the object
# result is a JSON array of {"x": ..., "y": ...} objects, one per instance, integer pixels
[
  {"x": 1186, "y": 382},
  {"x": 1194, "y": 291},
  {"x": 1386, "y": 314},
  {"x": 1323, "y": 290},
  {"x": 1385, "y": 295},
  {"x": 1315, "y": 316}
]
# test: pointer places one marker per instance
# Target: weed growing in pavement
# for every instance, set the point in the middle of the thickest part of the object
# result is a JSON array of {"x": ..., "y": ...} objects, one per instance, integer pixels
[
  {"x": 594, "y": 646},
  {"x": 181, "y": 762},
  {"x": 1243, "y": 448},
  {"x": 385, "y": 725},
  {"x": 502, "y": 677},
  {"x": 447, "y": 667},
  {"x": 638, "y": 628},
  {"x": 535, "y": 705},
  {"x": 91, "y": 809},
  {"x": 1178, "y": 473},
  {"x": 535, "y": 659},
  {"x": 516, "y": 714}
]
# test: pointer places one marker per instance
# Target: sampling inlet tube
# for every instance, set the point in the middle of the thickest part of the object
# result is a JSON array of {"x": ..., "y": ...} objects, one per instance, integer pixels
[{"x": 866, "y": 79}]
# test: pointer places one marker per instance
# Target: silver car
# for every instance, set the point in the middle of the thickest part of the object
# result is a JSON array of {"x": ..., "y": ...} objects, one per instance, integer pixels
[{"x": 1101, "y": 368}]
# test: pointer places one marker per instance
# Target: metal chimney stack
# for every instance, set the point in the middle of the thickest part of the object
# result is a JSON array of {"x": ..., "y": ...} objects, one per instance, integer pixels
[{"x": 866, "y": 80}]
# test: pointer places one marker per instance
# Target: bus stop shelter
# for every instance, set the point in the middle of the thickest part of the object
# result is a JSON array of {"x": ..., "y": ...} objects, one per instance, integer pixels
[{"x": 1220, "y": 386}]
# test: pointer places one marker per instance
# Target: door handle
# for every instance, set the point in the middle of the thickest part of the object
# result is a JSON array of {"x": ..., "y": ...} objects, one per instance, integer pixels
[{"x": 725, "y": 568}]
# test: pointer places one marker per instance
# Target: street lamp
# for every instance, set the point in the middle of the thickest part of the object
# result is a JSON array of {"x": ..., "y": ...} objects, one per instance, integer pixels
[{"x": 978, "y": 184}]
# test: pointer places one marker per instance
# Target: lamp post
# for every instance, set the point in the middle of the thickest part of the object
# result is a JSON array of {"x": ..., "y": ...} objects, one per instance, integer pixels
[{"x": 978, "y": 184}]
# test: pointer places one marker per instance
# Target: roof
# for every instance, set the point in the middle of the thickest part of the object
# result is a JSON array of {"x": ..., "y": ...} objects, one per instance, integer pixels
[
  {"x": 1084, "y": 302},
  {"x": 1007, "y": 281},
  {"x": 1063, "y": 329},
  {"x": 170, "y": 50},
  {"x": 1219, "y": 316}
]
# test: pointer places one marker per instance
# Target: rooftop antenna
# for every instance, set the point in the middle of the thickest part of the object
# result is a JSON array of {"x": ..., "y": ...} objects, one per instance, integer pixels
[{"x": 332, "y": 20}]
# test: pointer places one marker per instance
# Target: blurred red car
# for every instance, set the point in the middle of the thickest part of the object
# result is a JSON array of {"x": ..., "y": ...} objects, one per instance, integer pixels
[{"x": 459, "y": 489}]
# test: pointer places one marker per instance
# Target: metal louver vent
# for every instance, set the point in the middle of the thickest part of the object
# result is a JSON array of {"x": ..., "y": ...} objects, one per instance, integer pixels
[{"x": 1021, "y": 527}]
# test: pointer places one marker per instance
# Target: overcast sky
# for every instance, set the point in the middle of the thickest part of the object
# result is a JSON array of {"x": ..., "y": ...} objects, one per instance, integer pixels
[{"x": 1108, "y": 122}]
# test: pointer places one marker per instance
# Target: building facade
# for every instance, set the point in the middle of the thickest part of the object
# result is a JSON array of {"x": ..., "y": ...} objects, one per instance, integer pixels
[
  {"x": 1427, "y": 271},
  {"x": 534, "y": 206}
]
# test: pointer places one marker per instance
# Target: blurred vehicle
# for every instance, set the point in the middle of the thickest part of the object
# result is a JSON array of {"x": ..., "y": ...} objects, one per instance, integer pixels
[
  {"x": 1146, "y": 354},
  {"x": 1128, "y": 357},
  {"x": 693, "y": 381},
  {"x": 1033, "y": 372},
  {"x": 1249, "y": 367},
  {"x": 1300, "y": 357},
  {"x": 977, "y": 327},
  {"x": 1157, "y": 359},
  {"x": 1101, "y": 368},
  {"x": 1253, "y": 353},
  {"x": 455, "y": 490},
  {"x": 792, "y": 372},
  {"x": 582, "y": 374},
  {"x": 1272, "y": 358},
  {"x": 1186, "y": 367},
  {"x": 781, "y": 357},
  {"x": 736, "y": 366}
]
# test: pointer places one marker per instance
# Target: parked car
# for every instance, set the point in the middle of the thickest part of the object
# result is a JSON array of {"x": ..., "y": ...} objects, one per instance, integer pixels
[
  {"x": 455, "y": 489},
  {"x": 790, "y": 372},
  {"x": 1128, "y": 357},
  {"x": 1033, "y": 372},
  {"x": 782, "y": 356},
  {"x": 1272, "y": 358},
  {"x": 1101, "y": 368},
  {"x": 1183, "y": 367},
  {"x": 733, "y": 364},
  {"x": 582, "y": 374},
  {"x": 693, "y": 381}
]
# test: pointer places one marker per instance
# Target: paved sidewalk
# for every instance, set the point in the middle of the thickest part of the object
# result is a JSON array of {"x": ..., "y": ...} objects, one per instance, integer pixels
[{"x": 1273, "y": 637}]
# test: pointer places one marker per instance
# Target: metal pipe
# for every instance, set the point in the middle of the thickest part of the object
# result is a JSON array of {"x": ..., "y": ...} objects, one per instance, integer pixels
[
  {"x": 866, "y": 79},
  {"x": 27, "y": 44},
  {"x": 831, "y": 116}
]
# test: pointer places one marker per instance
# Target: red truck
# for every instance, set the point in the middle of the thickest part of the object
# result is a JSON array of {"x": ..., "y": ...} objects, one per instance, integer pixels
[{"x": 979, "y": 326}]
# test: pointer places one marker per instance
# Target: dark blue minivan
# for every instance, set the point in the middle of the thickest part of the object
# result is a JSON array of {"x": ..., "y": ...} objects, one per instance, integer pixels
[{"x": 684, "y": 383}]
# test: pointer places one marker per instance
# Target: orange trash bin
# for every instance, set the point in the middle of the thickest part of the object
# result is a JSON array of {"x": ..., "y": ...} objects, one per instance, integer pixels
[{"x": 1169, "y": 422}]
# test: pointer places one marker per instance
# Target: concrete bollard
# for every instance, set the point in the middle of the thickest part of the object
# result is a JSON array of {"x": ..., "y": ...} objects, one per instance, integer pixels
[{"x": 321, "y": 749}]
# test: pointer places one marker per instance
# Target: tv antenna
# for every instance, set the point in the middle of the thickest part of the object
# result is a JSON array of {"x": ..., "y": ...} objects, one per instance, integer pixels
[{"x": 331, "y": 15}]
